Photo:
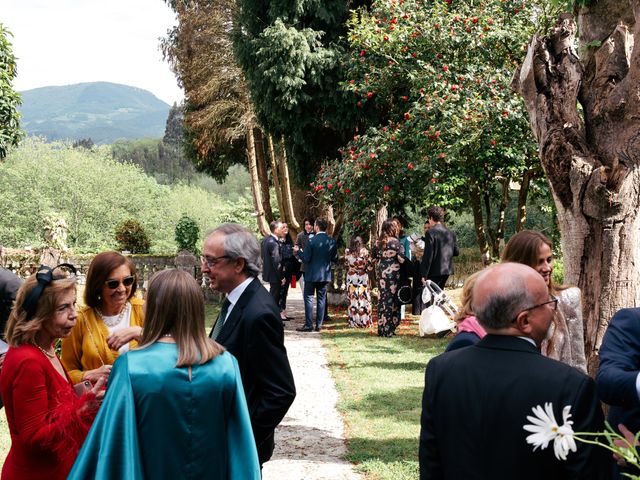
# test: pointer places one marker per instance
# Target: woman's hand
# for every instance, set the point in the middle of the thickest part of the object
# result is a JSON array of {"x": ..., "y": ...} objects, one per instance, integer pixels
[
  {"x": 124, "y": 336},
  {"x": 94, "y": 376},
  {"x": 98, "y": 389}
]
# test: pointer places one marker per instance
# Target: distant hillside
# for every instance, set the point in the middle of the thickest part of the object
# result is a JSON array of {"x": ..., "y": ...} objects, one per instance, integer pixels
[{"x": 101, "y": 111}]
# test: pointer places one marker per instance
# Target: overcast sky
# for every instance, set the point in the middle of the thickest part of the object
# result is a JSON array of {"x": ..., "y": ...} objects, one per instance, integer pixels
[{"x": 62, "y": 42}]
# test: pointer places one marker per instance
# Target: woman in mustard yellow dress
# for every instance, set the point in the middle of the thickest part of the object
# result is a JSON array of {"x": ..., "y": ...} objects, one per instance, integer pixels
[{"x": 110, "y": 324}]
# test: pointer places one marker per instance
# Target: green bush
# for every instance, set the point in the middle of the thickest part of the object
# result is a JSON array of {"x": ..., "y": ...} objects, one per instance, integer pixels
[
  {"x": 131, "y": 236},
  {"x": 187, "y": 234}
]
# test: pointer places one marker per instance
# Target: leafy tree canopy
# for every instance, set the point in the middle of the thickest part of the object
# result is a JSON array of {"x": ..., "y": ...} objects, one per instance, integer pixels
[
  {"x": 93, "y": 193},
  {"x": 431, "y": 83},
  {"x": 290, "y": 53},
  {"x": 10, "y": 133}
]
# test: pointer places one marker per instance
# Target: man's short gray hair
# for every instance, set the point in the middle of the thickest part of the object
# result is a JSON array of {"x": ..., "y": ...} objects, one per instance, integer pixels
[
  {"x": 240, "y": 243},
  {"x": 504, "y": 305}
]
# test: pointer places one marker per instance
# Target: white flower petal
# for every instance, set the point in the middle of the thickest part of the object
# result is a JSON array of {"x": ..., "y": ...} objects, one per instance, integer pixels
[{"x": 544, "y": 429}]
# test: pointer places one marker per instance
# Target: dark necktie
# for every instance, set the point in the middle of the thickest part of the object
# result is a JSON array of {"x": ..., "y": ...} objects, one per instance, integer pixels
[{"x": 221, "y": 318}]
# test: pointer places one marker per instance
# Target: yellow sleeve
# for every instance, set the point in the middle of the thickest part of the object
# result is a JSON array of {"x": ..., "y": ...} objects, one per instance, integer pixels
[{"x": 72, "y": 349}]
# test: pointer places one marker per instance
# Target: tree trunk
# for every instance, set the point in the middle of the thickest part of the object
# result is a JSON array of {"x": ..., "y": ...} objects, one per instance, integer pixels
[
  {"x": 285, "y": 183},
  {"x": 276, "y": 178},
  {"x": 491, "y": 238},
  {"x": 591, "y": 165},
  {"x": 256, "y": 192},
  {"x": 475, "y": 199},
  {"x": 522, "y": 200},
  {"x": 262, "y": 174},
  {"x": 504, "y": 202}
]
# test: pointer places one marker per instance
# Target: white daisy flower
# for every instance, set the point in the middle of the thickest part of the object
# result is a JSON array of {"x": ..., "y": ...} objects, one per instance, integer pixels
[{"x": 544, "y": 429}]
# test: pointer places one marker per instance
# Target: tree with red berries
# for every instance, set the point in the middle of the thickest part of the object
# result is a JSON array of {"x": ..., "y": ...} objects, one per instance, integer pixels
[
  {"x": 583, "y": 104},
  {"x": 438, "y": 121}
]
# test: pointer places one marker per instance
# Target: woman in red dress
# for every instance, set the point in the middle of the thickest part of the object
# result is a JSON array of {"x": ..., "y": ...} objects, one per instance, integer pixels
[{"x": 47, "y": 420}]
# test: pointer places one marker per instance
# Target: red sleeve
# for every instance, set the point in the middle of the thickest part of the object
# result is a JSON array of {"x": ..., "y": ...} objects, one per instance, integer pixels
[{"x": 44, "y": 419}]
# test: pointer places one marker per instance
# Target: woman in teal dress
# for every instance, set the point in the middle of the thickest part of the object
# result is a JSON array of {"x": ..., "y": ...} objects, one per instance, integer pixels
[{"x": 175, "y": 407}]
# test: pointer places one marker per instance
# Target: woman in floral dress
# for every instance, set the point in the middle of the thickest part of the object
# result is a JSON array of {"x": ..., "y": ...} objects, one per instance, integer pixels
[
  {"x": 357, "y": 260},
  {"x": 389, "y": 254}
]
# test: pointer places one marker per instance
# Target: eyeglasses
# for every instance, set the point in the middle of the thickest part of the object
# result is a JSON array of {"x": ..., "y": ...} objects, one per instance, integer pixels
[
  {"x": 553, "y": 302},
  {"x": 126, "y": 281},
  {"x": 212, "y": 261}
]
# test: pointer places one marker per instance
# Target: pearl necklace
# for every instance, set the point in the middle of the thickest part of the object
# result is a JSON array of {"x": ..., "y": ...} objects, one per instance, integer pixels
[
  {"x": 50, "y": 355},
  {"x": 112, "y": 322}
]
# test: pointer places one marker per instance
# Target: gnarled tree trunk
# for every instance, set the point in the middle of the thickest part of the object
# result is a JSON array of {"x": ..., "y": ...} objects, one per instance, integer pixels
[
  {"x": 286, "y": 186},
  {"x": 591, "y": 159},
  {"x": 256, "y": 192},
  {"x": 262, "y": 174}
]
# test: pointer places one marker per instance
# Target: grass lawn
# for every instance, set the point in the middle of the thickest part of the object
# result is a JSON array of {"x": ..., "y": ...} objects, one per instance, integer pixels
[{"x": 380, "y": 383}]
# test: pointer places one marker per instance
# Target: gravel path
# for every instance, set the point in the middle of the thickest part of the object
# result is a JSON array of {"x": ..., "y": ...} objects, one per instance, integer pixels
[{"x": 310, "y": 440}]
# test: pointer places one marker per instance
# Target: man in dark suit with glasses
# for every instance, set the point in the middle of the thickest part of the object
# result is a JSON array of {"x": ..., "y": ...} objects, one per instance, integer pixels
[
  {"x": 477, "y": 399},
  {"x": 249, "y": 327}
]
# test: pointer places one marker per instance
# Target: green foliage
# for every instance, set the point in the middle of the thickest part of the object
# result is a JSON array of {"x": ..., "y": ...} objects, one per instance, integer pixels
[
  {"x": 132, "y": 237},
  {"x": 94, "y": 193},
  {"x": 187, "y": 234},
  {"x": 165, "y": 162},
  {"x": 10, "y": 133},
  {"x": 290, "y": 53},
  {"x": 431, "y": 81}
]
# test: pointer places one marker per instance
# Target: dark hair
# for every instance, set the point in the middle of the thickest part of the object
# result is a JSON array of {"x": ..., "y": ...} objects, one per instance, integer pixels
[
  {"x": 321, "y": 223},
  {"x": 99, "y": 269},
  {"x": 355, "y": 244},
  {"x": 524, "y": 247},
  {"x": 307, "y": 219},
  {"x": 274, "y": 224},
  {"x": 435, "y": 213},
  {"x": 399, "y": 224},
  {"x": 389, "y": 229}
]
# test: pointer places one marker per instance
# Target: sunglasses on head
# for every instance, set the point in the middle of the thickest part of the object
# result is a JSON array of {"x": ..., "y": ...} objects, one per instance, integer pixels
[{"x": 126, "y": 281}]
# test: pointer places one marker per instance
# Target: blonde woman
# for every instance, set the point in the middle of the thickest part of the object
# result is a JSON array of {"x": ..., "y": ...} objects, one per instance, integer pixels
[
  {"x": 47, "y": 420},
  {"x": 175, "y": 407},
  {"x": 468, "y": 329}
]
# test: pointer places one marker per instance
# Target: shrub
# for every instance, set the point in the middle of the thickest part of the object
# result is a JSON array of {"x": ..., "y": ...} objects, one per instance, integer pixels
[
  {"x": 187, "y": 234},
  {"x": 131, "y": 236}
]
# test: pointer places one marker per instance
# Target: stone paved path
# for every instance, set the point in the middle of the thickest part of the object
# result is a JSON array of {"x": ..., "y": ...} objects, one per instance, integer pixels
[{"x": 310, "y": 440}]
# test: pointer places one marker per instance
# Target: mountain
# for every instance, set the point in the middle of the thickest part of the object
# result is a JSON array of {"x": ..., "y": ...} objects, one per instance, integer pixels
[{"x": 101, "y": 111}]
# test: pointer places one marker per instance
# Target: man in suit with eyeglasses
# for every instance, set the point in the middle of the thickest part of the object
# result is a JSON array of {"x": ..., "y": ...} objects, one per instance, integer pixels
[
  {"x": 489, "y": 389},
  {"x": 249, "y": 327}
]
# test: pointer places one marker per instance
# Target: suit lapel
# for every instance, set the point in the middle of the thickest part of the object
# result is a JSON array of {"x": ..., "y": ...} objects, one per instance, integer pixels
[{"x": 236, "y": 313}]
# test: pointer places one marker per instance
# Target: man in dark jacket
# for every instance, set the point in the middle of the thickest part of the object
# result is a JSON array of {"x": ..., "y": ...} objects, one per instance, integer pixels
[
  {"x": 272, "y": 268},
  {"x": 317, "y": 257},
  {"x": 249, "y": 327},
  {"x": 477, "y": 399},
  {"x": 439, "y": 249}
]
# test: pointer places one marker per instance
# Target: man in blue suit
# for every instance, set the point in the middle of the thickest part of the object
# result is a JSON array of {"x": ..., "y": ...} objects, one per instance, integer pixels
[
  {"x": 618, "y": 378},
  {"x": 317, "y": 257}
]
